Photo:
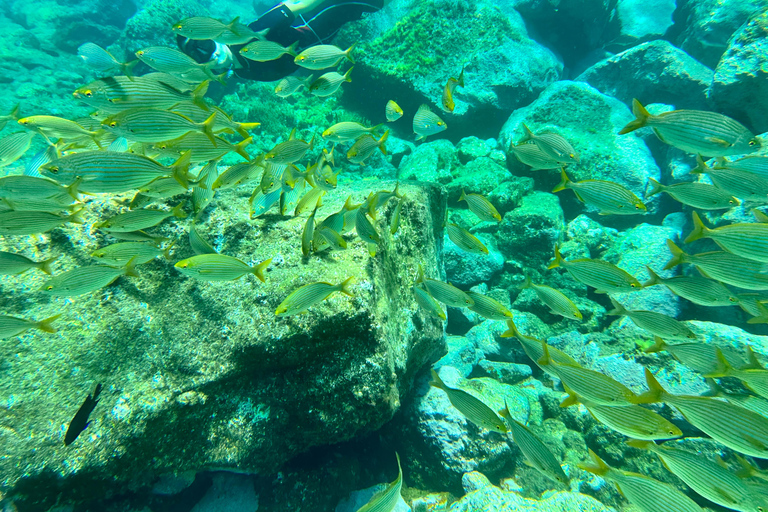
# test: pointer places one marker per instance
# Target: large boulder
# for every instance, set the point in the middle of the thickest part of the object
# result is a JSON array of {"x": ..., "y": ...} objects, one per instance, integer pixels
[
  {"x": 410, "y": 49},
  {"x": 741, "y": 75},
  {"x": 591, "y": 121},
  {"x": 654, "y": 72},
  {"x": 529, "y": 233},
  {"x": 642, "y": 20},
  {"x": 709, "y": 24},
  {"x": 203, "y": 374}
]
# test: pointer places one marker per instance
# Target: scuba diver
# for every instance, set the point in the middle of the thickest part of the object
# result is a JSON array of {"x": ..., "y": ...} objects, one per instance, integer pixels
[{"x": 310, "y": 22}]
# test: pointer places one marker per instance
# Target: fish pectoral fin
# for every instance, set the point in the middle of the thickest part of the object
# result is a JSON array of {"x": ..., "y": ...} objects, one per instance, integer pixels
[
  {"x": 661, "y": 138},
  {"x": 756, "y": 442},
  {"x": 725, "y": 495},
  {"x": 718, "y": 141}
]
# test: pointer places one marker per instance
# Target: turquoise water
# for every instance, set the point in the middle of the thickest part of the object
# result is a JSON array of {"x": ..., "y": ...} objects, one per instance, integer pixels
[{"x": 421, "y": 235}]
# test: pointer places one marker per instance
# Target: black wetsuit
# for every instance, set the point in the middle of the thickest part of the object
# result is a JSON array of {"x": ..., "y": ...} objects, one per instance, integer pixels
[{"x": 315, "y": 27}]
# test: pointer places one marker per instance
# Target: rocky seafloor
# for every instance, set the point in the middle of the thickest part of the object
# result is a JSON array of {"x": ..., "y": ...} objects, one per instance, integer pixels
[{"x": 211, "y": 403}]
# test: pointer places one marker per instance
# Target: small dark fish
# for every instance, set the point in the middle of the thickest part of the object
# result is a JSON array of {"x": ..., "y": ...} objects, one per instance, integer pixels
[{"x": 80, "y": 421}]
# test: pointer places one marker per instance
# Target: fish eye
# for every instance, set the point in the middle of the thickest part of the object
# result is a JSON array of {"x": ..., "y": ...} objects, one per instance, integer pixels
[
  {"x": 633, "y": 285},
  {"x": 752, "y": 143},
  {"x": 54, "y": 169},
  {"x": 112, "y": 124},
  {"x": 88, "y": 94},
  {"x": 49, "y": 287}
]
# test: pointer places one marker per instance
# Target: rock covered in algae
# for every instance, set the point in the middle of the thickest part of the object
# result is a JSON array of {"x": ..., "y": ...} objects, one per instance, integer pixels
[{"x": 202, "y": 374}]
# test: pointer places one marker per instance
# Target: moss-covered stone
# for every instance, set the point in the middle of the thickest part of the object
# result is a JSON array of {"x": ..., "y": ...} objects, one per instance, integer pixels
[{"x": 200, "y": 374}]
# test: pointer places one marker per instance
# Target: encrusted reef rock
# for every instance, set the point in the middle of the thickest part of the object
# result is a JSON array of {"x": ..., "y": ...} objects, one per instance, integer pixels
[
  {"x": 202, "y": 374},
  {"x": 410, "y": 49},
  {"x": 709, "y": 24},
  {"x": 642, "y": 20},
  {"x": 654, "y": 72},
  {"x": 590, "y": 121},
  {"x": 741, "y": 76}
]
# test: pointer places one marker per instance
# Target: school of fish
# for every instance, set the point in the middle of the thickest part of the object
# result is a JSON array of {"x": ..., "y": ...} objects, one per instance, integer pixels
[{"x": 140, "y": 121}]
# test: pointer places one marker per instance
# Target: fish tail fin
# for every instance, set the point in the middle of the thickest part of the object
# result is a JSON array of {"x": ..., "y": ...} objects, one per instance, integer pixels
[
  {"x": 178, "y": 211},
  {"x": 16, "y": 112},
  {"x": 460, "y": 80},
  {"x": 167, "y": 250},
  {"x": 345, "y": 286},
  {"x": 699, "y": 229},
  {"x": 701, "y": 166},
  {"x": 511, "y": 331},
  {"x": 436, "y": 381},
  {"x": 77, "y": 217},
  {"x": 463, "y": 196},
  {"x": 571, "y": 399},
  {"x": 72, "y": 189},
  {"x": 658, "y": 346},
  {"x": 655, "y": 186},
  {"x": 198, "y": 95},
  {"x": 722, "y": 368},
  {"x": 654, "y": 278},
  {"x": 291, "y": 50},
  {"x": 641, "y": 118},
  {"x": 564, "y": 181},
  {"x": 180, "y": 168},
  {"x": 381, "y": 145},
  {"x": 127, "y": 68},
  {"x": 504, "y": 413},
  {"x": 762, "y": 317},
  {"x": 240, "y": 148},
  {"x": 232, "y": 24},
  {"x": 527, "y": 283},
  {"x": 678, "y": 256},
  {"x": 528, "y": 134},
  {"x": 130, "y": 268},
  {"x": 618, "y": 309},
  {"x": 259, "y": 269},
  {"x": 640, "y": 444},
  {"x": 45, "y": 324},
  {"x": 243, "y": 128},
  {"x": 420, "y": 275},
  {"x": 558, "y": 259},
  {"x": 545, "y": 358},
  {"x": 348, "y": 53},
  {"x": 597, "y": 467},
  {"x": 346, "y": 75},
  {"x": 655, "y": 392},
  {"x": 207, "y": 128},
  {"x": 45, "y": 265}
]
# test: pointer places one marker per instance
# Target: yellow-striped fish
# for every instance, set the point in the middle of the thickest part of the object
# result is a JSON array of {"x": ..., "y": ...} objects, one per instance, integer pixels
[
  {"x": 608, "y": 197},
  {"x": 742, "y": 184},
  {"x": 555, "y": 146},
  {"x": 555, "y": 300},
  {"x": 699, "y": 357},
  {"x": 739, "y": 429},
  {"x": 474, "y": 409},
  {"x": 311, "y": 294},
  {"x": 139, "y": 219},
  {"x": 218, "y": 267},
  {"x": 365, "y": 230},
  {"x": 698, "y": 195},
  {"x": 121, "y": 253},
  {"x": 365, "y": 146},
  {"x": 426, "y": 123},
  {"x": 465, "y": 240},
  {"x": 57, "y": 127},
  {"x": 323, "y": 56},
  {"x": 81, "y": 280},
  {"x": 487, "y": 307},
  {"x": 533, "y": 348},
  {"x": 428, "y": 302},
  {"x": 202, "y": 27},
  {"x": 12, "y": 264},
  {"x": 264, "y": 51},
  {"x": 156, "y": 125},
  {"x": 530, "y": 154},
  {"x": 13, "y": 326},
  {"x": 633, "y": 421},
  {"x": 699, "y": 290},
  {"x": 13, "y": 147},
  {"x": 754, "y": 378},
  {"x": 645, "y": 493},
  {"x": 289, "y": 151},
  {"x": 603, "y": 276},
  {"x": 657, "y": 324},
  {"x": 593, "y": 386},
  {"x": 199, "y": 244},
  {"x": 748, "y": 240},
  {"x": 709, "y": 479},
  {"x": 444, "y": 292},
  {"x": 534, "y": 450},
  {"x": 156, "y": 90},
  {"x": 32, "y": 223},
  {"x": 392, "y": 111},
  {"x": 329, "y": 83},
  {"x": 723, "y": 266},
  {"x": 696, "y": 131},
  {"x": 387, "y": 499},
  {"x": 347, "y": 130},
  {"x": 448, "y": 102},
  {"x": 308, "y": 234},
  {"x": 481, "y": 207}
]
